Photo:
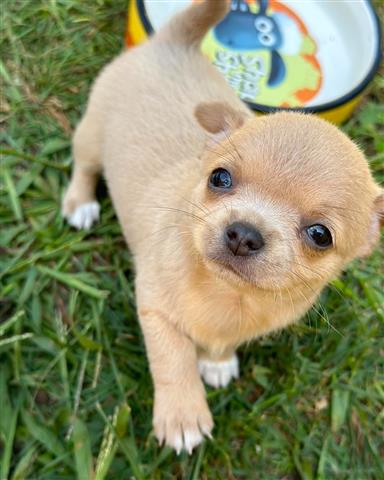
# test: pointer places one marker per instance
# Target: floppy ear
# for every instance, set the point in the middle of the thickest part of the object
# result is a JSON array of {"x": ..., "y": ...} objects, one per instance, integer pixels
[
  {"x": 219, "y": 119},
  {"x": 377, "y": 221}
]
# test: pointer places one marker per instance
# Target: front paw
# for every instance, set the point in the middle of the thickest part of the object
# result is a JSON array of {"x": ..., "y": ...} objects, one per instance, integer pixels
[{"x": 181, "y": 418}]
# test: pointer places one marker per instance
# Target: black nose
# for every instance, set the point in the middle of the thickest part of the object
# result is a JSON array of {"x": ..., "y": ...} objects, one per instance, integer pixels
[{"x": 243, "y": 239}]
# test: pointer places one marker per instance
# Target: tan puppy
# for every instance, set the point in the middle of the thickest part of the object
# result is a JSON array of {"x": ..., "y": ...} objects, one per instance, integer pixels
[{"x": 235, "y": 223}]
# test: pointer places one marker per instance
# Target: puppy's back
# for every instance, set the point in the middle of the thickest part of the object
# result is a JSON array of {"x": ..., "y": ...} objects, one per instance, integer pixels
[{"x": 144, "y": 101}]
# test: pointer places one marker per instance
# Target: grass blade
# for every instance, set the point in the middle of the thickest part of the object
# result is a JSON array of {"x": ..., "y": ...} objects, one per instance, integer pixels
[
  {"x": 71, "y": 281},
  {"x": 24, "y": 464},
  {"x": 109, "y": 443},
  {"x": 44, "y": 435},
  {"x": 107, "y": 452},
  {"x": 82, "y": 451},
  {"x": 15, "y": 338},
  {"x": 8, "y": 446},
  {"x": 15, "y": 202},
  {"x": 8, "y": 323},
  {"x": 340, "y": 405}
]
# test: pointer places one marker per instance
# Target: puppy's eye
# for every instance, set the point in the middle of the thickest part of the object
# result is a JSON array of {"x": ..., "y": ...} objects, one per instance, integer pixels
[
  {"x": 220, "y": 178},
  {"x": 319, "y": 236}
]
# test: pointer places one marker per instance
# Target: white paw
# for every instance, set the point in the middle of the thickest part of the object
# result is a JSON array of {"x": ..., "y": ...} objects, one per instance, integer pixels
[
  {"x": 219, "y": 374},
  {"x": 181, "y": 420},
  {"x": 184, "y": 437},
  {"x": 84, "y": 216},
  {"x": 187, "y": 440}
]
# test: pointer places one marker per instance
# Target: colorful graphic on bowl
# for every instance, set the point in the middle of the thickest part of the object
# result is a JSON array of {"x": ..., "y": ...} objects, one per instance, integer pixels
[
  {"x": 244, "y": 30},
  {"x": 266, "y": 53},
  {"x": 262, "y": 47}
]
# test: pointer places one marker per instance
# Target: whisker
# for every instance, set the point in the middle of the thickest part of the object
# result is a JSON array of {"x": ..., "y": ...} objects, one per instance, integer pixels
[
  {"x": 308, "y": 268},
  {"x": 220, "y": 144},
  {"x": 233, "y": 146},
  {"x": 290, "y": 297},
  {"x": 156, "y": 232},
  {"x": 185, "y": 212},
  {"x": 323, "y": 315},
  {"x": 221, "y": 155},
  {"x": 201, "y": 207},
  {"x": 180, "y": 233}
]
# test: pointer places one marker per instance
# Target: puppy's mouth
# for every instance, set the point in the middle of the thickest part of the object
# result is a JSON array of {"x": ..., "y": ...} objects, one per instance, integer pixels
[
  {"x": 243, "y": 277},
  {"x": 230, "y": 268},
  {"x": 255, "y": 271},
  {"x": 239, "y": 273}
]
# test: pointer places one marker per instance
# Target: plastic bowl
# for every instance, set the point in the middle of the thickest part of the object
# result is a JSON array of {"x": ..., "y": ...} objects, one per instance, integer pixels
[{"x": 316, "y": 56}]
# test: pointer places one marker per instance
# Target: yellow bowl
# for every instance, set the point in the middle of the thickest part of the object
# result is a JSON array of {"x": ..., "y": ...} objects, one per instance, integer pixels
[{"x": 314, "y": 56}]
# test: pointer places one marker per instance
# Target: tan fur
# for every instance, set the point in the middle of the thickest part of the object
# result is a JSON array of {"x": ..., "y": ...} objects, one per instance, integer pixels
[{"x": 290, "y": 170}]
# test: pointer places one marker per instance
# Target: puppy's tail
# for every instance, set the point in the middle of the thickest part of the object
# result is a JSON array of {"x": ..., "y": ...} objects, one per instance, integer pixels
[{"x": 189, "y": 26}]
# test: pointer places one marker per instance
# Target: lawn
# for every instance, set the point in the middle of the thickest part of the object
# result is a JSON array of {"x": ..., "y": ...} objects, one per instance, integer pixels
[{"x": 75, "y": 390}]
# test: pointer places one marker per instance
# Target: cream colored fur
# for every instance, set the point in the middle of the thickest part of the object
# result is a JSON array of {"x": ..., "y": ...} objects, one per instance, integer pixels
[{"x": 160, "y": 118}]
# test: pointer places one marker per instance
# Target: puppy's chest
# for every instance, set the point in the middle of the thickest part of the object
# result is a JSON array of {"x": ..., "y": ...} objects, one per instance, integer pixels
[{"x": 219, "y": 319}]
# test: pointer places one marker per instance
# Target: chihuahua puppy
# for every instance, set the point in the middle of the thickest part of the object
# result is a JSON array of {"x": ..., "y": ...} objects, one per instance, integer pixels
[{"x": 235, "y": 222}]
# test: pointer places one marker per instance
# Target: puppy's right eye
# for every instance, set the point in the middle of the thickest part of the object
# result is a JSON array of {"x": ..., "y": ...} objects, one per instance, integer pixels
[{"x": 220, "y": 178}]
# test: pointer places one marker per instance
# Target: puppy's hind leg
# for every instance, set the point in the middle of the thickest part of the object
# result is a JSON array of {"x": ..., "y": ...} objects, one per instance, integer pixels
[{"x": 80, "y": 207}]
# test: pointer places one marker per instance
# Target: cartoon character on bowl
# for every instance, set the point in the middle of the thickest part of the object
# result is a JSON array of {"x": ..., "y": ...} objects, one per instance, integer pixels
[{"x": 242, "y": 29}]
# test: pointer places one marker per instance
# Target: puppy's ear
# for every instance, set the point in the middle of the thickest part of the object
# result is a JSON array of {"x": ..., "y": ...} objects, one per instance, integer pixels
[
  {"x": 219, "y": 119},
  {"x": 377, "y": 221}
]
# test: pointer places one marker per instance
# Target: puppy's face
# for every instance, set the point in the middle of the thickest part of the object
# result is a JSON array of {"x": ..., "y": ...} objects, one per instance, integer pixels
[{"x": 288, "y": 199}]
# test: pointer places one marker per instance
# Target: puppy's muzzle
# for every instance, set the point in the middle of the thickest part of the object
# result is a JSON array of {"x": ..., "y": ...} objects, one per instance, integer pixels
[{"x": 242, "y": 239}]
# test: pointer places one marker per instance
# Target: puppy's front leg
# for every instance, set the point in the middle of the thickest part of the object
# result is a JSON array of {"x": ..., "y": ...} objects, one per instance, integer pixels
[{"x": 181, "y": 414}]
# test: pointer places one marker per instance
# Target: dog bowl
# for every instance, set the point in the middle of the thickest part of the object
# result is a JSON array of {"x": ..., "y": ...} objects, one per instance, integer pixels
[{"x": 309, "y": 55}]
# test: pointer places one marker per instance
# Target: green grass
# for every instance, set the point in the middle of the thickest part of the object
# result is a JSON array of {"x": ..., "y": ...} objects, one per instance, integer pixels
[{"x": 75, "y": 390}]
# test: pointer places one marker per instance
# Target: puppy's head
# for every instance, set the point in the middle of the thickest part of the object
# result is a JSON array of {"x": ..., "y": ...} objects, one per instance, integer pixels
[{"x": 288, "y": 199}]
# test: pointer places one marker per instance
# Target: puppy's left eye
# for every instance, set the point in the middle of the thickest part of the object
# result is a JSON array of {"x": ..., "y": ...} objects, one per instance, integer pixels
[
  {"x": 319, "y": 236},
  {"x": 220, "y": 178}
]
